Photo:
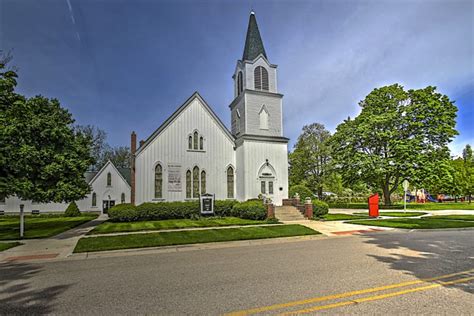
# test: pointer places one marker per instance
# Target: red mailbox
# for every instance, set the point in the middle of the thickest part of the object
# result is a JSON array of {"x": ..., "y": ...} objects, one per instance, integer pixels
[{"x": 374, "y": 205}]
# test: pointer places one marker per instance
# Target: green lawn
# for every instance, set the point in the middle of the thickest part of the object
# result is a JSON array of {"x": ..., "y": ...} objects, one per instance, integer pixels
[
  {"x": 189, "y": 237},
  {"x": 432, "y": 206},
  {"x": 416, "y": 223},
  {"x": 39, "y": 226},
  {"x": 342, "y": 217},
  {"x": 468, "y": 218},
  {"x": 111, "y": 227},
  {"x": 8, "y": 245},
  {"x": 397, "y": 214}
]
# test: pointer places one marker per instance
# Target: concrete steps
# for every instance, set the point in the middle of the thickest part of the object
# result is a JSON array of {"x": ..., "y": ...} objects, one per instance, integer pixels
[{"x": 288, "y": 213}]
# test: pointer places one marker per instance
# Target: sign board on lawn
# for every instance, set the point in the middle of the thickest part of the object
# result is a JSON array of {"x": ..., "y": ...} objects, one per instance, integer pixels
[
  {"x": 405, "y": 184},
  {"x": 207, "y": 204}
]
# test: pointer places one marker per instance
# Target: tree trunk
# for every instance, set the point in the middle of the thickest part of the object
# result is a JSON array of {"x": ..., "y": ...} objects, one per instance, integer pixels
[{"x": 386, "y": 194}]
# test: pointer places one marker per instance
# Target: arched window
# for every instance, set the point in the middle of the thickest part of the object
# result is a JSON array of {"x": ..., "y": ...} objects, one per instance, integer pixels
[
  {"x": 240, "y": 83},
  {"x": 190, "y": 142},
  {"x": 188, "y": 184},
  {"x": 260, "y": 78},
  {"x": 94, "y": 199},
  {"x": 203, "y": 182},
  {"x": 109, "y": 179},
  {"x": 263, "y": 115},
  {"x": 196, "y": 182},
  {"x": 201, "y": 143},
  {"x": 230, "y": 183},
  {"x": 196, "y": 140},
  {"x": 158, "y": 182},
  {"x": 122, "y": 198}
]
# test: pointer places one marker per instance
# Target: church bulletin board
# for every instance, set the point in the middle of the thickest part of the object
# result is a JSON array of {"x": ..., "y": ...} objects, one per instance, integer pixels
[{"x": 174, "y": 178}]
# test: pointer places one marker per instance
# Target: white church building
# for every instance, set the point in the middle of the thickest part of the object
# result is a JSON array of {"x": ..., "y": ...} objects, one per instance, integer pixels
[{"x": 193, "y": 152}]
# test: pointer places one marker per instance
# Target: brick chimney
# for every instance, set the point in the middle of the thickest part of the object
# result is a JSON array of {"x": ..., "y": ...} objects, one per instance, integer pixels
[{"x": 133, "y": 149}]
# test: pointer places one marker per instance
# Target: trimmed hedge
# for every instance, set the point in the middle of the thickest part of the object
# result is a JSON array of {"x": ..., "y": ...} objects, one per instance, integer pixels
[
  {"x": 250, "y": 210},
  {"x": 320, "y": 208},
  {"x": 188, "y": 209},
  {"x": 72, "y": 210},
  {"x": 302, "y": 190}
]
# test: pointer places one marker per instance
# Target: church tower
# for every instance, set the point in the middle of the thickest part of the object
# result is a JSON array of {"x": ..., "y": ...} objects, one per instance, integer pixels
[{"x": 257, "y": 123}]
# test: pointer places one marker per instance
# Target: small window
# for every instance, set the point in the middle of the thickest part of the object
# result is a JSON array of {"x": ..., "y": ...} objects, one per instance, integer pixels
[
  {"x": 94, "y": 199},
  {"x": 262, "y": 187},
  {"x": 240, "y": 85},
  {"x": 109, "y": 179},
  {"x": 190, "y": 142},
  {"x": 203, "y": 182},
  {"x": 260, "y": 78},
  {"x": 196, "y": 182},
  {"x": 196, "y": 140},
  {"x": 201, "y": 143},
  {"x": 122, "y": 198},
  {"x": 230, "y": 183},
  {"x": 188, "y": 184},
  {"x": 263, "y": 115},
  {"x": 158, "y": 182},
  {"x": 270, "y": 187}
]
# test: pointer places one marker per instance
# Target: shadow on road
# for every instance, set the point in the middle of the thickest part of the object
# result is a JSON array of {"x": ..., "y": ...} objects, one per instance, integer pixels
[
  {"x": 17, "y": 295},
  {"x": 428, "y": 254}
]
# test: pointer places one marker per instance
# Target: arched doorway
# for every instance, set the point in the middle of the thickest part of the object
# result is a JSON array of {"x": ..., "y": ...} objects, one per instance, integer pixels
[{"x": 267, "y": 179}]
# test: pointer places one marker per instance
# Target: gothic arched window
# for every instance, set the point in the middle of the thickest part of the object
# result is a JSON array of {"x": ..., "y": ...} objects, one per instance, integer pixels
[
  {"x": 260, "y": 78},
  {"x": 190, "y": 142},
  {"x": 201, "y": 143},
  {"x": 230, "y": 183},
  {"x": 188, "y": 184},
  {"x": 203, "y": 182},
  {"x": 94, "y": 199},
  {"x": 240, "y": 83},
  {"x": 122, "y": 198},
  {"x": 109, "y": 179},
  {"x": 158, "y": 182},
  {"x": 196, "y": 182},
  {"x": 196, "y": 139}
]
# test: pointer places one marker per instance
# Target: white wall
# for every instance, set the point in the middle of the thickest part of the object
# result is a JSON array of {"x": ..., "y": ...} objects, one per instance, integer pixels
[{"x": 171, "y": 147}]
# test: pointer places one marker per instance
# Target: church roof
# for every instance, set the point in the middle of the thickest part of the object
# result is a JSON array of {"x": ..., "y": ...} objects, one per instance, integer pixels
[{"x": 253, "y": 42}]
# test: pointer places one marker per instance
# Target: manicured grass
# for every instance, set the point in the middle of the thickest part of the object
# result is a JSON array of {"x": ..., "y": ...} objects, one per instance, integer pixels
[
  {"x": 39, "y": 226},
  {"x": 8, "y": 245},
  {"x": 111, "y": 227},
  {"x": 342, "y": 217},
  {"x": 468, "y": 218},
  {"x": 397, "y": 214},
  {"x": 415, "y": 223},
  {"x": 189, "y": 237},
  {"x": 431, "y": 206}
]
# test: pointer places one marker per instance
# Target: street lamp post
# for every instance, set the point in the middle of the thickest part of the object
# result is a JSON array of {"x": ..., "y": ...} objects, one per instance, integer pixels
[{"x": 22, "y": 220}]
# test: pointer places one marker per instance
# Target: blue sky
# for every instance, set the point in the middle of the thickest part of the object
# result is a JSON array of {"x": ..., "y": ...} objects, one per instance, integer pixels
[{"x": 127, "y": 65}]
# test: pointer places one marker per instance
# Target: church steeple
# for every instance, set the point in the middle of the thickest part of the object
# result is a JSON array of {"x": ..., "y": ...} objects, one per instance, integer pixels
[{"x": 253, "y": 42}]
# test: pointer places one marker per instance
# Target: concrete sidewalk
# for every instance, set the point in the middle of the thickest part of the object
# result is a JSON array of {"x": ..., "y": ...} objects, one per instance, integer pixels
[
  {"x": 338, "y": 228},
  {"x": 59, "y": 246}
]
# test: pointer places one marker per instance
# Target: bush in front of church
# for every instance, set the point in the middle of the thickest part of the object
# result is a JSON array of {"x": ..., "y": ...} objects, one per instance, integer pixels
[
  {"x": 72, "y": 210},
  {"x": 223, "y": 208},
  {"x": 250, "y": 210},
  {"x": 302, "y": 190},
  {"x": 168, "y": 210},
  {"x": 125, "y": 212},
  {"x": 320, "y": 208}
]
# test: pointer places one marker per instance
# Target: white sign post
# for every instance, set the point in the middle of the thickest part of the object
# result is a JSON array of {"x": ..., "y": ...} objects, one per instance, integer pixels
[
  {"x": 405, "y": 188},
  {"x": 22, "y": 220}
]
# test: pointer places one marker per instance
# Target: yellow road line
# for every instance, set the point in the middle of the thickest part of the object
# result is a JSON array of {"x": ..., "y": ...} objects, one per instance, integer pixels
[
  {"x": 341, "y": 295},
  {"x": 378, "y": 297}
]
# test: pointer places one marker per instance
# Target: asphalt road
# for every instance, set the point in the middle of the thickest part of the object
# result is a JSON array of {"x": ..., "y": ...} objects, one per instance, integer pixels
[{"x": 381, "y": 271}]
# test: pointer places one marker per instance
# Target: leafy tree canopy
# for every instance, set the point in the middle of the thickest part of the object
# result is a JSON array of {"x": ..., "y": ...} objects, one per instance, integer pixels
[{"x": 398, "y": 135}]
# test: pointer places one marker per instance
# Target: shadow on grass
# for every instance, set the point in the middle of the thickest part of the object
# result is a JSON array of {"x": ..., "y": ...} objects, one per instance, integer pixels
[
  {"x": 17, "y": 295},
  {"x": 429, "y": 254}
]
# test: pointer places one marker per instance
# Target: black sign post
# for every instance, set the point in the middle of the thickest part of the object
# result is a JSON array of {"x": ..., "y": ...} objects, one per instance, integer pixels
[{"x": 207, "y": 204}]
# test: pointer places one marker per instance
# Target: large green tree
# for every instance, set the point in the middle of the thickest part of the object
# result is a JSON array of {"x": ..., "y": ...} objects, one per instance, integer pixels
[
  {"x": 398, "y": 135},
  {"x": 42, "y": 157},
  {"x": 310, "y": 159}
]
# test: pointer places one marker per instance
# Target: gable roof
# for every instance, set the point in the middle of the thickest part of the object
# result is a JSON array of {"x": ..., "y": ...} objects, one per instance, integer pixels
[
  {"x": 173, "y": 116},
  {"x": 98, "y": 173},
  {"x": 253, "y": 41}
]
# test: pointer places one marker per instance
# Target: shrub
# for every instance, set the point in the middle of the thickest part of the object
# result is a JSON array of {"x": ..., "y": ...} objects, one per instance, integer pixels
[
  {"x": 125, "y": 212},
  {"x": 250, "y": 210},
  {"x": 72, "y": 210},
  {"x": 302, "y": 190},
  {"x": 168, "y": 210},
  {"x": 320, "y": 208},
  {"x": 223, "y": 208}
]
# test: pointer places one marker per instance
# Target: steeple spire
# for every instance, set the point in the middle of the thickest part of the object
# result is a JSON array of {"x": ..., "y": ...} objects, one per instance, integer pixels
[{"x": 253, "y": 42}]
